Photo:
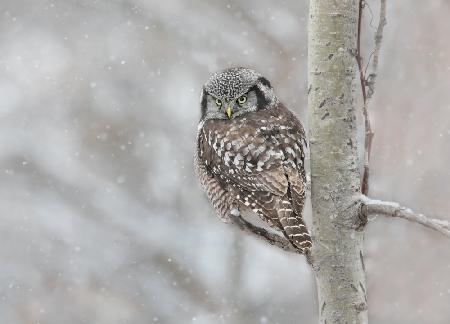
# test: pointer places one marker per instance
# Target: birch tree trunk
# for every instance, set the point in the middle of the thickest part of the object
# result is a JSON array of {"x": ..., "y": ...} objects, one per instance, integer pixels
[{"x": 336, "y": 257}]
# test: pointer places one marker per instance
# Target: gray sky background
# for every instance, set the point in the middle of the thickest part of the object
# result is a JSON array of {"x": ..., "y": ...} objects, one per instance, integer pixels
[{"x": 101, "y": 218}]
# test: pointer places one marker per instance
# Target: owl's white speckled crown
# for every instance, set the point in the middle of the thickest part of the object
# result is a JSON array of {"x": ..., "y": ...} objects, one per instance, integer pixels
[{"x": 231, "y": 83}]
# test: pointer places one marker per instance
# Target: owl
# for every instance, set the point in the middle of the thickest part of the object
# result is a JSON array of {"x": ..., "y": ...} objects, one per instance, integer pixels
[{"x": 250, "y": 153}]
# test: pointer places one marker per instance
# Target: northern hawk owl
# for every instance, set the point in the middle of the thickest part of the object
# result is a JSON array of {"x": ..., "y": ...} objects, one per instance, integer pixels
[{"x": 250, "y": 153}]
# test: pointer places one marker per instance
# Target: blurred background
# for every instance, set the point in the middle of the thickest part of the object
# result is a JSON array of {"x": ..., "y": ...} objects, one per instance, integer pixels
[{"x": 101, "y": 218}]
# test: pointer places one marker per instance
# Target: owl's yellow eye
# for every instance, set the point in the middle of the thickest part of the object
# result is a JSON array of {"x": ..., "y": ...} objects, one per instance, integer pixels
[
  {"x": 218, "y": 102},
  {"x": 242, "y": 99}
]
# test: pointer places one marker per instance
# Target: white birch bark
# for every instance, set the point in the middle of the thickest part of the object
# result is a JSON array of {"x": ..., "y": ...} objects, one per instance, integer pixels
[{"x": 336, "y": 257}]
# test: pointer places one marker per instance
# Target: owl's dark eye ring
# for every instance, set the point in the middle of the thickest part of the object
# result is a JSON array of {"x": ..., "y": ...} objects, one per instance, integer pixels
[
  {"x": 242, "y": 99},
  {"x": 218, "y": 102}
]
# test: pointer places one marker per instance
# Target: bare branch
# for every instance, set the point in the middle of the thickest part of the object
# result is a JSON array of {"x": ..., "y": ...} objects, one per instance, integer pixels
[
  {"x": 370, "y": 82},
  {"x": 393, "y": 209},
  {"x": 358, "y": 53},
  {"x": 367, "y": 150},
  {"x": 369, "y": 133},
  {"x": 261, "y": 233}
]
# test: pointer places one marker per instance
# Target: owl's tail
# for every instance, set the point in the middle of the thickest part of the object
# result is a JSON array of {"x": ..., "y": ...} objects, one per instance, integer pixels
[{"x": 294, "y": 227}]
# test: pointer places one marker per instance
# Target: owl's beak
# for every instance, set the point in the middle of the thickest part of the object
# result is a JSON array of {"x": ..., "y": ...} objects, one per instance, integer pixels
[{"x": 229, "y": 112}]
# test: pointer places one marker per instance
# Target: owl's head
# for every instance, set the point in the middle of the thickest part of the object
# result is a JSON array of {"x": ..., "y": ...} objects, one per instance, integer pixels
[{"x": 234, "y": 92}]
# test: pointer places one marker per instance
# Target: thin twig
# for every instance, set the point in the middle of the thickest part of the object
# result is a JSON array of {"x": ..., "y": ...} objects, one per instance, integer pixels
[
  {"x": 371, "y": 15},
  {"x": 393, "y": 209},
  {"x": 368, "y": 130},
  {"x": 367, "y": 150},
  {"x": 378, "y": 38},
  {"x": 261, "y": 233},
  {"x": 370, "y": 83},
  {"x": 358, "y": 53}
]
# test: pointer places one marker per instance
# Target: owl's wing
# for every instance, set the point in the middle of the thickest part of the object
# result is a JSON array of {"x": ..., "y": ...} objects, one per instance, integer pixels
[
  {"x": 283, "y": 212},
  {"x": 262, "y": 168},
  {"x": 297, "y": 190},
  {"x": 273, "y": 181},
  {"x": 216, "y": 191}
]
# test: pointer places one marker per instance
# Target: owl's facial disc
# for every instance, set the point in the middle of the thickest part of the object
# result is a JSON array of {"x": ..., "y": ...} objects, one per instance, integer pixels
[{"x": 234, "y": 92}]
